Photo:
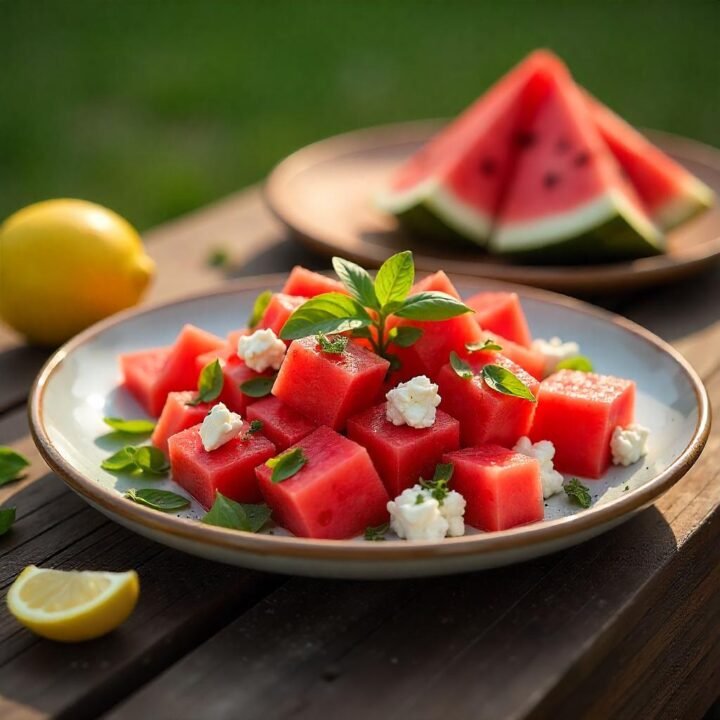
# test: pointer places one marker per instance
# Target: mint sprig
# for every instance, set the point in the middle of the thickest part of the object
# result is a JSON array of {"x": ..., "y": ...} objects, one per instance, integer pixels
[
  {"x": 210, "y": 384},
  {"x": 147, "y": 460},
  {"x": 578, "y": 493},
  {"x": 236, "y": 516},
  {"x": 438, "y": 486},
  {"x": 503, "y": 381},
  {"x": 395, "y": 278},
  {"x": 334, "y": 346},
  {"x": 162, "y": 500},
  {"x": 130, "y": 427},
  {"x": 258, "y": 309},
  {"x": 376, "y": 533},
  {"x": 12, "y": 465},
  {"x": 358, "y": 282},
  {"x": 286, "y": 464},
  {"x": 7, "y": 518}
]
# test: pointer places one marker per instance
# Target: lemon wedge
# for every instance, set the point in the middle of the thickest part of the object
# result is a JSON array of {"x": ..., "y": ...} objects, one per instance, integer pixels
[{"x": 71, "y": 606}]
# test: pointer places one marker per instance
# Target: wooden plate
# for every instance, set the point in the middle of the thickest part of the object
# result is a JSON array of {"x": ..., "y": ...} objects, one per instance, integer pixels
[{"x": 323, "y": 193}]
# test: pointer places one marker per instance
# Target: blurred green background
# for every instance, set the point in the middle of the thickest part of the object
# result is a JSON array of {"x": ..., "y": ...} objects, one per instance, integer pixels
[{"x": 155, "y": 108}]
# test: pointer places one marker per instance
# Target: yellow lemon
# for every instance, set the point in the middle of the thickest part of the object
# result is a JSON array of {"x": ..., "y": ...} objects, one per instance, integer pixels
[
  {"x": 65, "y": 264},
  {"x": 72, "y": 606}
]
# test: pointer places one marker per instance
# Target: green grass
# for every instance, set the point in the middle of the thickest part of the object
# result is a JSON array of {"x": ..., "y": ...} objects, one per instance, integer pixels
[{"x": 155, "y": 108}]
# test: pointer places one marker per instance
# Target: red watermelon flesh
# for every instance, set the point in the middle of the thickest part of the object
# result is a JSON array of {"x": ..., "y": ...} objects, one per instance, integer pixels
[
  {"x": 140, "y": 372},
  {"x": 329, "y": 388},
  {"x": 279, "y": 309},
  {"x": 436, "y": 282},
  {"x": 578, "y": 412},
  {"x": 501, "y": 313},
  {"x": 528, "y": 359},
  {"x": 230, "y": 469},
  {"x": 234, "y": 335},
  {"x": 486, "y": 415},
  {"x": 280, "y": 423},
  {"x": 177, "y": 415},
  {"x": 335, "y": 495},
  {"x": 502, "y": 488},
  {"x": 307, "y": 283},
  {"x": 401, "y": 453}
]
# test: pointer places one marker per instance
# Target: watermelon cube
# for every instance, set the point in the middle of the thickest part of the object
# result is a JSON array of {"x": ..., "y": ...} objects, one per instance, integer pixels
[
  {"x": 335, "y": 495},
  {"x": 486, "y": 415},
  {"x": 140, "y": 371},
  {"x": 578, "y": 412},
  {"x": 177, "y": 415},
  {"x": 280, "y": 423},
  {"x": 402, "y": 453},
  {"x": 302, "y": 281},
  {"x": 502, "y": 488},
  {"x": 437, "y": 282},
  {"x": 234, "y": 335},
  {"x": 528, "y": 359},
  {"x": 279, "y": 309},
  {"x": 329, "y": 388},
  {"x": 230, "y": 469},
  {"x": 501, "y": 313}
]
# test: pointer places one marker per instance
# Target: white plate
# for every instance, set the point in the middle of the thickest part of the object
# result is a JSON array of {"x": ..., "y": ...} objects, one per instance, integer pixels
[{"x": 79, "y": 386}]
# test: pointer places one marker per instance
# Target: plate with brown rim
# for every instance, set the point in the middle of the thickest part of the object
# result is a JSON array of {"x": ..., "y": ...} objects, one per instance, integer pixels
[
  {"x": 324, "y": 194},
  {"x": 79, "y": 386}
]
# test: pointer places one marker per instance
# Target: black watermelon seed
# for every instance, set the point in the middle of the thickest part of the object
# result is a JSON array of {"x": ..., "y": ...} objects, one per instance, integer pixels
[
  {"x": 551, "y": 179},
  {"x": 562, "y": 145},
  {"x": 525, "y": 139},
  {"x": 488, "y": 167},
  {"x": 581, "y": 159}
]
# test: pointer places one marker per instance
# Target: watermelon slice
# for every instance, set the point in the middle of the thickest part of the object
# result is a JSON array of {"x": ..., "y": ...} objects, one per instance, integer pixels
[
  {"x": 501, "y": 313},
  {"x": 280, "y": 423},
  {"x": 307, "y": 283},
  {"x": 176, "y": 416}
]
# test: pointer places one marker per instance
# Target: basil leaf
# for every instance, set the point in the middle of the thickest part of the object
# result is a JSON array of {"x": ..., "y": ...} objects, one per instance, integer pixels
[
  {"x": 328, "y": 313},
  {"x": 237, "y": 516},
  {"x": 286, "y": 464},
  {"x": 580, "y": 363},
  {"x": 461, "y": 368},
  {"x": 376, "y": 533},
  {"x": 12, "y": 465},
  {"x": 358, "y": 281},
  {"x": 578, "y": 492},
  {"x": 480, "y": 346},
  {"x": 7, "y": 518},
  {"x": 259, "y": 307},
  {"x": 336, "y": 346},
  {"x": 431, "y": 306},
  {"x": 151, "y": 460},
  {"x": 130, "y": 427},
  {"x": 210, "y": 383},
  {"x": 258, "y": 387},
  {"x": 162, "y": 500},
  {"x": 405, "y": 335},
  {"x": 505, "y": 382},
  {"x": 123, "y": 459},
  {"x": 395, "y": 278}
]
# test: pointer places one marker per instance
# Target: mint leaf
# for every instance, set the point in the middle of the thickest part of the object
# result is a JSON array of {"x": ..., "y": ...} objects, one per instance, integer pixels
[
  {"x": 12, "y": 464},
  {"x": 336, "y": 346},
  {"x": 484, "y": 345},
  {"x": 358, "y": 281},
  {"x": 431, "y": 306},
  {"x": 327, "y": 313},
  {"x": 236, "y": 516},
  {"x": 123, "y": 459},
  {"x": 405, "y": 335},
  {"x": 578, "y": 492},
  {"x": 255, "y": 427},
  {"x": 461, "y": 368},
  {"x": 580, "y": 363},
  {"x": 505, "y": 382},
  {"x": 151, "y": 460},
  {"x": 376, "y": 533},
  {"x": 395, "y": 278},
  {"x": 286, "y": 464},
  {"x": 259, "y": 307},
  {"x": 7, "y": 518},
  {"x": 130, "y": 427},
  {"x": 210, "y": 384},
  {"x": 258, "y": 387},
  {"x": 438, "y": 486},
  {"x": 162, "y": 500}
]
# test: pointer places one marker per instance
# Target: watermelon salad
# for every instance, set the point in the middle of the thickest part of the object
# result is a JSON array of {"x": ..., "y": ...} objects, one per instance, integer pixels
[
  {"x": 540, "y": 169},
  {"x": 377, "y": 408}
]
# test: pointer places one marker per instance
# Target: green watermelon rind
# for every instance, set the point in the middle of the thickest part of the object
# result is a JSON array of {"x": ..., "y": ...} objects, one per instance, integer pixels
[{"x": 697, "y": 199}]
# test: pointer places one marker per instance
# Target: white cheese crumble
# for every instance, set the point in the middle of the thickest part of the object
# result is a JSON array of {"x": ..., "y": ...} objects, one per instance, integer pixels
[
  {"x": 416, "y": 515},
  {"x": 219, "y": 426},
  {"x": 544, "y": 452},
  {"x": 555, "y": 351},
  {"x": 629, "y": 444},
  {"x": 413, "y": 403},
  {"x": 261, "y": 350}
]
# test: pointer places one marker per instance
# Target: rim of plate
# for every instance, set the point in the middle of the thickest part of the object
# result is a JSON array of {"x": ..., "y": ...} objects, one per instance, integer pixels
[{"x": 303, "y": 548}]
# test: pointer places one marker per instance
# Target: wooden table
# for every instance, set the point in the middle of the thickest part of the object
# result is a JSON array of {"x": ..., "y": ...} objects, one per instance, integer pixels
[{"x": 624, "y": 626}]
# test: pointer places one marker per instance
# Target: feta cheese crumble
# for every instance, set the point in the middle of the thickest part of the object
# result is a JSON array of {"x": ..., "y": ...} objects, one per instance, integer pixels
[
  {"x": 413, "y": 403},
  {"x": 555, "y": 351},
  {"x": 219, "y": 426},
  {"x": 544, "y": 452},
  {"x": 629, "y": 444},
  {"x": 261, "y": 350},
  {"x": 416, "y": 515}
]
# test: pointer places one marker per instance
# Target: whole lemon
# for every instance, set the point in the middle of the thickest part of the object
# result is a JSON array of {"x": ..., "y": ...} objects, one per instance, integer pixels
[{"x": 65, "y": 264}]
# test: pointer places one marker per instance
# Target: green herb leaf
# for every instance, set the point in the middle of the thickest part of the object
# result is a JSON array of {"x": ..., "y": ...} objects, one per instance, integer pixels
[
  {"x": 258, "y": 387},
  {"x": 123, "y": 459},
  {"x": 151, "y": 460},
  {"x": 218, "y": 258},
  {"x": 358, "y": 281},
  {"x": 507, "y": 383},
  {"x": 210, "y": 383},
  {"x": 405, "y": 335},
  {"x": 438, "y": 486},
  {"x": 362, "y": 332},
  {"x": 7, "y": 518},
  {"x": 162, "y": 500},
  {"x": 336, "y": 346},
  {"x": 12, "y": 464},
  {"x": 580, "y": 362},
  {"x": 130, "y": 427},
  {"x": 395, "y": 278},
  {"x": 461, "y": 368},
  {"x": 237, "y": 516},
  {"x": 432, "y": 306},
  {"x": 259, "y": 307},
  {"x": 255, "y": 427},
  {"x": 286, "y": 464},
  {"x": 419, "y": 499},
  {"x": 327, "y": 313},
  {"x": 394, "y": 361},
  {"x": 485, "y": 345},
  {"x": 376, "y": 533},
  {"x": 578, "y": 492}
]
